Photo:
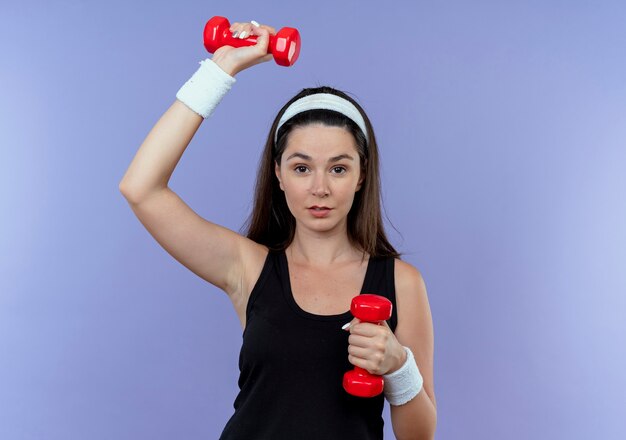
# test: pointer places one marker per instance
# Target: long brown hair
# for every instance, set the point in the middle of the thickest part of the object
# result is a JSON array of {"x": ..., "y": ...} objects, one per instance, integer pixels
[{"x": 271, "y": 223}]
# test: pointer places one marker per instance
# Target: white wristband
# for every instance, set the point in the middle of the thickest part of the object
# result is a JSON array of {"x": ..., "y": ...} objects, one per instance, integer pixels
[
  {"x": 405, "y": 383},
  {"x": 206, "y": 88}
]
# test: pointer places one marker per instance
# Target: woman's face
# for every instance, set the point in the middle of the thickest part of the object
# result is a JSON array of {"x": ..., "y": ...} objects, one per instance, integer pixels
[{"x": 320, "y": 173}]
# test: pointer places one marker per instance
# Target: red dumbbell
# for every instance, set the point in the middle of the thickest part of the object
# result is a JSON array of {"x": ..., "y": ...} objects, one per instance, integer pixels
[
  {"x": 368, "y": 308},
  {"x": 285, "y": 45}
]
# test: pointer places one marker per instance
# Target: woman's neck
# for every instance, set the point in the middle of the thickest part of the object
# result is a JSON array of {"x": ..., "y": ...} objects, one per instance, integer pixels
[{"x": 322, "y": 251}]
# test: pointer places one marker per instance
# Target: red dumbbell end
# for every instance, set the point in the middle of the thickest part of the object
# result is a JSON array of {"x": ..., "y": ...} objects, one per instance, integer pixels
[
  {"x": 361, "y": 383},
  {"x": 371, "y": 308},
  {"x": 285, "y": 46}
]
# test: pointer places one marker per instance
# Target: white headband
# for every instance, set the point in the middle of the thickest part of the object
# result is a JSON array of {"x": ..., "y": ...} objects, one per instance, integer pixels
[{"x": 326, "y": 101}]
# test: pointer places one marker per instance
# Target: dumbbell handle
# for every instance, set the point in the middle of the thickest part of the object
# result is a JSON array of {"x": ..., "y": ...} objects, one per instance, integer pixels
[{"x": 226, "y": 39}]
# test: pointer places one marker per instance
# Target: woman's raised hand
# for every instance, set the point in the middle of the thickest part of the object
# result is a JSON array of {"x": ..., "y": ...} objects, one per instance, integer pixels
[{"x": 235, "y": 59}]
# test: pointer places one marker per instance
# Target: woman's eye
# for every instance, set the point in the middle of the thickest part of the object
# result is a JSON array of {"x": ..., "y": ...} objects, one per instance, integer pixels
[
  {"x": 339, "y": 170},
  {"x": 300, "y": 169}
]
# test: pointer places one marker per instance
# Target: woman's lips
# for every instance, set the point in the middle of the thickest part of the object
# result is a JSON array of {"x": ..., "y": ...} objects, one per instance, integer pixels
[{"x": 319, "y": 212}]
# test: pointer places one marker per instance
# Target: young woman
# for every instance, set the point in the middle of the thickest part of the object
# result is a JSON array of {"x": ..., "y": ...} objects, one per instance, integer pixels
[{"x": 314, "y": 240}]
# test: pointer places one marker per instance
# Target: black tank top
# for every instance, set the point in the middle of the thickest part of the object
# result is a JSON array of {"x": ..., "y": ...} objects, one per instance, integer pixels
[{"x": 292, "y": 364}]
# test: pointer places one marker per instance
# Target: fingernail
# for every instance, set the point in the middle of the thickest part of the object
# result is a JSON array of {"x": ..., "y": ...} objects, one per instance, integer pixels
[
  {"x": 243, "y": 34},
  {"x": 345, "y": 326},
  {"x": 235, "y": 34},
  {"x": 255, "y": 23}
]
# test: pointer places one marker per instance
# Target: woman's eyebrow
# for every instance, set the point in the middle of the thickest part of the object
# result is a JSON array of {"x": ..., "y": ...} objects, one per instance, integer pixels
[
  {"x": 332, "y": 159},
  {"x": 341, "y": 156},
  {"x": 300, "y": 155}
]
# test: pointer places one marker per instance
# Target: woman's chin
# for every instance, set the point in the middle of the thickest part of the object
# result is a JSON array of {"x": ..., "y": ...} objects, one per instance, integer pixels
[{"x": 321, "y": 225}]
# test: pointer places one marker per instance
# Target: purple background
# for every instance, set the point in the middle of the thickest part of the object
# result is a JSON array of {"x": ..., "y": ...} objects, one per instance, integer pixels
[{"x": 502, "y": 130}]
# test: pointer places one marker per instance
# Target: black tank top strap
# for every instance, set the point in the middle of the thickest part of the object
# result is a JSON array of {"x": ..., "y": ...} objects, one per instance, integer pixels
[{"x": 380, "y": 281}]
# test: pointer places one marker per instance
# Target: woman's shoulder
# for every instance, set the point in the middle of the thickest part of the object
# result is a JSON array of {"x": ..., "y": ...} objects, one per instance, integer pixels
[
  {"x": 411, "y": 301},
  {"x": 408, "y": 278}
]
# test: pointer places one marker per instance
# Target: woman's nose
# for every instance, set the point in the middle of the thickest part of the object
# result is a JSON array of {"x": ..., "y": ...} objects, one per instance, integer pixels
[{"x": 320, "y": 185}]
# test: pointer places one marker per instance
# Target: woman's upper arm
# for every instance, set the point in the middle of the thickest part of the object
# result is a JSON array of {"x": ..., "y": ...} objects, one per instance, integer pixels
[
  {"x": 415, "y": 324},
  {"x": 211, "y": 251}
]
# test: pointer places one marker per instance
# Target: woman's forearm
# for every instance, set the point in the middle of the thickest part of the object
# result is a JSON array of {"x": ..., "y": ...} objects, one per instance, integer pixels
[
  {"x": 160, "y": 152},
  {"x": 415, "y": 420}
]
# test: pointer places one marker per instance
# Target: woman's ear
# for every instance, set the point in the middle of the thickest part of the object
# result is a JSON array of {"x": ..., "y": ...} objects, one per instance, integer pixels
[
  {"x": 277, "y": 172},
  {"x": 362, "y": 176},
  {"x": 358, "y": 185}
]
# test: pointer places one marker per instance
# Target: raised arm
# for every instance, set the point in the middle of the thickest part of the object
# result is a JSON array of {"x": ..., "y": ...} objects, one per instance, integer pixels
[{"x": 213, "y": 252}]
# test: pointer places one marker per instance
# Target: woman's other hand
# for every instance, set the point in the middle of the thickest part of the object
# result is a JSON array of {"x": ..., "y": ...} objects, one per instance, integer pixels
[{"x": 374, "y": 347}]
